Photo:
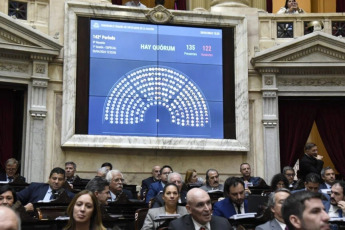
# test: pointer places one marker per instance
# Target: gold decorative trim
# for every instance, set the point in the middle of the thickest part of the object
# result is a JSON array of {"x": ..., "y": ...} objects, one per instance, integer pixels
[{"x": 160, "y": 15}]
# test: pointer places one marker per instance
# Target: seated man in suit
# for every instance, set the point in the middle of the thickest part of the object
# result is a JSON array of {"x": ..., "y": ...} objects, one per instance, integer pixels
[
  {"x": 212, "y": 181},
  {"x": 275, "y": 203},
  {"x": 100, "y": 187},
  {"x": 234, "y": 203},
  {"x": 11, "y": 175},
  {"x": 115, "y": 179},
  {"x": 156, "y": 187},
  {"x": 304, "y": 210},
  {"x": 145, "y": 184},
  {"x": 248, "y": 179},
  {"x": 44, "y": 192},
  {"x": 200, "y": 215},
  {"x": 289, "y": 173},
  {"x": 337, "y": 207},
  {"x": 71, "y": 168},
  {"x": 175, "y": 178},
  {"x": 328, "y": 177}
]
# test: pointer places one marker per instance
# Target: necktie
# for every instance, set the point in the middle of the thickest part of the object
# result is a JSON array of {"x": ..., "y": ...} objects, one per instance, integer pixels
[
  {"x": 52, "y": 195},
  {"x": 340, "y": 212},
  {"x": 202, "y": 228},
  {"x": 238, "y": 209},
  {"x": 10, "y": 179}
]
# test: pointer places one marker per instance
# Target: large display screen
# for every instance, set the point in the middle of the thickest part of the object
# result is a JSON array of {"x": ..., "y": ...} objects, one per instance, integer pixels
[{"x": 155, "y": 80}]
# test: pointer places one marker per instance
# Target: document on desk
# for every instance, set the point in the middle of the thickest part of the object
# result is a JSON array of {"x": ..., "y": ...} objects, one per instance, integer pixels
[
  {"x": 62, "y": 218},
  {"x": 337, "y": 219},
  {"x": 243, "y": 216},
  {"x": 166, "y": 216}
]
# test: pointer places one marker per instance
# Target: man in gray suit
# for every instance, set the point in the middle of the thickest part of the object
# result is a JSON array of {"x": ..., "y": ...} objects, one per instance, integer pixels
[
  {"x": 275, "y": 203},
  {"x": 200, "y": 216}
]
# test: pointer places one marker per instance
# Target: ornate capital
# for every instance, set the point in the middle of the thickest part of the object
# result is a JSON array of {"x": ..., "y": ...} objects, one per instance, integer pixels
[
  {"x": 160, "y": 15},
  {"x": 39, "y": 115},
  {"x": 269, "y": 94},
  {"x": 270, "y": 123},
  {"x": 40, "y": 83}
]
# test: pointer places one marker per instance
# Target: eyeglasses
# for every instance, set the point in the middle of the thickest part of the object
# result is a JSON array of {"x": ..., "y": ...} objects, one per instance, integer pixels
[
  {"x": 176, "y": 182},
  {"x": 11, "y": 169},
  {"x": 292, "y": 174}
]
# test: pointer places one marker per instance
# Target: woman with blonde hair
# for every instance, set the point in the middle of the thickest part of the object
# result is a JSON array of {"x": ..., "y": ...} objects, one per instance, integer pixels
[{"x": 84, "y": 213}]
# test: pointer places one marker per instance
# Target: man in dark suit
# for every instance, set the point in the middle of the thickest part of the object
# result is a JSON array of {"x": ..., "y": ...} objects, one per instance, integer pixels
[
  {"x": 200, "y": 215},
  {"x": 175, "y": 178},
  {"x": 311, "y": 162},
  {"x": 11, "y": 175},
  {"x": 44, "y": 192},
  {"x": 246, "y": 171},
  {"x": 275, "y": 203},
  {"x": 337, "y": 201},
  {"x": 290, "y": 174},
  {"x": 145, "y": 184},
  {"x": 116, "y": 180},
  {"x": 328, "y": 177},
  {"x": 234, "y": 203},
  {"x": 157, "y": 187}
]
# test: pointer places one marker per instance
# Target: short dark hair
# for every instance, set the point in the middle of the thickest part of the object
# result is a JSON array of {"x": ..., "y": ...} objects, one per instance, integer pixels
[
  {"x": 170, "y": 184},
  {"x": 245, "y": 163},
  {"x": 323, "y": 171},
  {"x": 165, "y": 166},
  {"x": 295, "y": 205},
  {"x": 309, "y": 146},
  {"x": 57, "y": 170},
  {"x": 207, "y": 177},
  {"x": 279, "y": 177},
  {"x": 231, "y": 182},
  {"x": 97, "y": 184},
  {"x": 71, "y": 163},
  {"x": 107, "y": 164},
  {"x": 313, "y": 178},
  {"x": 6, "y": 188},
  {"x": 341, "y": 184}
]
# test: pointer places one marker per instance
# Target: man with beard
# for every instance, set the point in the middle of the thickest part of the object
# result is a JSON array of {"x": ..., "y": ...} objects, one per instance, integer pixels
[
  {"x": 116, "y": 180},
  {"x": 99, "y": 187},
  {"x": 234, "y": 203},
  {"x": 200, "y": 215},
  {"x": 156, "y": 187},
  {"x": 304, "y": 210},
  {"x": 212, "y": 181},
  {"x": 337, "y": 207}
]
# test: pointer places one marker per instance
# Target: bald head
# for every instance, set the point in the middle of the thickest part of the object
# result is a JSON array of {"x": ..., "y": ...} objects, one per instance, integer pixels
[
  {"x": 8, "y": 219},
  {"x": 199, "y": 205}
]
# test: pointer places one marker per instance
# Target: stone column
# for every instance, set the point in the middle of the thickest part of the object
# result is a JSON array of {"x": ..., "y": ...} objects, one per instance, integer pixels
[
  {"x": 36, "y": 125},
  {"x": 199, "y": 4},
  {"x": 270, "y": 122},
  {"x": 260, "y": 4}
]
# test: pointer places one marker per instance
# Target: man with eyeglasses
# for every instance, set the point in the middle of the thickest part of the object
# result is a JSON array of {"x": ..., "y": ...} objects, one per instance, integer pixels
[
  {"x": 145, "y": 184},
  {"x": 115, "y": 179},
  {"x": 11, "y": 167},
  {"x": 289, "y": 173},
  {"x": 156, "y": 187},
  {"x": 175, "y": 178}
]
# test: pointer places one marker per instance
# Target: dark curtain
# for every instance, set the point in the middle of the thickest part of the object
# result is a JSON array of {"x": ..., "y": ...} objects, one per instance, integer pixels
[
  {"x": 269, "y": 6},
  {"x": 116, "y": 2},
  {"x": 6, "y": 125},
  {"x": 340, "y": 5},
  {"x": 296, "y": 118},
  {"x": 180, "y": 5},
  {"x": 330, "y": 122}
]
